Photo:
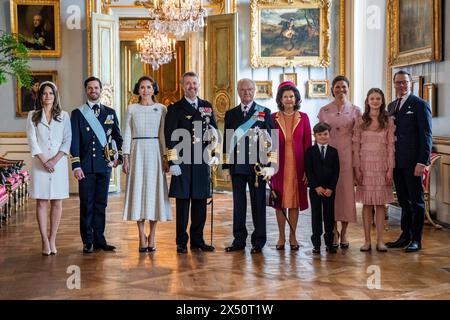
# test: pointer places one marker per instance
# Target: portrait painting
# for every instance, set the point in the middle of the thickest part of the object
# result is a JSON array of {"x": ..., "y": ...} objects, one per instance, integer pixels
[
  {"x": 37, "y": 22},
  {"x": 263, "y": 89},
  {"x": 318, "y": 88},
  {"x": 290, "y": 34},
  {"x": 415, "y": 31},
  {"x": 417, "y": 86},
  {"x": 26, "y": 97}
]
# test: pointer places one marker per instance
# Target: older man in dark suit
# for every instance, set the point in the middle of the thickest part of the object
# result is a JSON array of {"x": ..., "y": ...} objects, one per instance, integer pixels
[{"x": 412, "y": 154}]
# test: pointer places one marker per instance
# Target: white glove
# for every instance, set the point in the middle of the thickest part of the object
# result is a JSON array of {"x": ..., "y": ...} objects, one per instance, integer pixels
[
  {"x": 214, "y": 161},
  {"x": 175, "y": 170},
  {"x": 267, "y": 172}
]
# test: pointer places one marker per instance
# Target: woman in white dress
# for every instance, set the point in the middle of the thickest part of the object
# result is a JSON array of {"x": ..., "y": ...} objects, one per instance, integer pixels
[
  {"x": 146, "y": 196},
  {"x": 49, "y": 136}
]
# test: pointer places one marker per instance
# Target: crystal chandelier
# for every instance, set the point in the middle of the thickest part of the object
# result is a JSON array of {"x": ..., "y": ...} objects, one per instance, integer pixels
[
  {"x": 156, "y": 48},
  {"x": 175, "y": 16}
]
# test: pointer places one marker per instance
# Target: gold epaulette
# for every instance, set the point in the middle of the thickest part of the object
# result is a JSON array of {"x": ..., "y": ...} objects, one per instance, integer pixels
[
  {"x": 272, "y": 157},
  {"x": 172, "y": 155}
]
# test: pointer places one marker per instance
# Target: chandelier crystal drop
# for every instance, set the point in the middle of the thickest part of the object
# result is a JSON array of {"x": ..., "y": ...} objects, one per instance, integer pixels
[
  {"x": 176, "y": 16},
  {"x": 156, "y": 48}
]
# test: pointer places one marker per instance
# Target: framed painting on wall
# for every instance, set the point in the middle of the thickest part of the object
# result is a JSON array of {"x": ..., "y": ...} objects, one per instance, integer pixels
[
  {"x": 289, "y": 77},
  {"x": 415, "y": 31},
  {"x": 417, "y": 86},
  {"x": 38, "y": 22},
  {"x": 430, "y": 95},
  {"x": 25, "y": 98},
  {"x": 263, "y": 89},
  {"x": 318, "y": 88},
  {"x": 290, "y": 33}
]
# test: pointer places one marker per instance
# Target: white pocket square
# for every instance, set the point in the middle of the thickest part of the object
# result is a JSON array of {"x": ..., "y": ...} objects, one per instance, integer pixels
[{"x": 410, "y": 112}]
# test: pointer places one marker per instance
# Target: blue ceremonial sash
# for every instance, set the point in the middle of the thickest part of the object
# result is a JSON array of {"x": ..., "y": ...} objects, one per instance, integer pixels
[
  {"x": 96, "y": 126},
  {"x": 243, "y": 128}
]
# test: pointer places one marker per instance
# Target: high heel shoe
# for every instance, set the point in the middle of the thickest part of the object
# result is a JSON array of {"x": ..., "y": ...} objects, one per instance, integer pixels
[
  {"x": 381, "y": 248},
  {"x": 345, "y": 245},
  {"x": 53, "y": 253},
  {"x": 336, "y": 244},
  {"x": 294, "y": 247},
  {"x": 151, "y": 249},
  {"x": 46, "y": 253},
  {"x": 365, "y": 248},
  {"x": 279, "y": 246},
  {"x": 144, "y": 249}
]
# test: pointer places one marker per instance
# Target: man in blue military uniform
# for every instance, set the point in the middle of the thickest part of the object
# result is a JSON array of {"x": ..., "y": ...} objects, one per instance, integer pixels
[
  {"x": 240, "y": 157},
  {"x": 93, "y": 128},
  {"x": 187, "y": 121}
]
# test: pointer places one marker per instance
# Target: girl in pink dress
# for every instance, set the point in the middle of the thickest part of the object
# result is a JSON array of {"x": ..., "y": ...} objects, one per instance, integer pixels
[
  {"x": 341, "y": 115},
  {"x": 373, "y": 158}
]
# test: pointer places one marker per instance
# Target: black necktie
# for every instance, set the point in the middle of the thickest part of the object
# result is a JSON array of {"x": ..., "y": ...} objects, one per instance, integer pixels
[
  {"x": 322, "y": 152},
  {"x": 245, "y": 111},
  {"x": 96, "y": 109},
  {"x": 194, "y": 105},
  {"x": 397, "y": 105}
]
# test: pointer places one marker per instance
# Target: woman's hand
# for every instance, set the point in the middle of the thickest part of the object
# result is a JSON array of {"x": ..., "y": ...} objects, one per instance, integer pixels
[
  {"x": 358, "y": 176},
  {"x": 389, "y": 176},
  {"x": 50, "y": 165},
  {"x": 126, "y": 165},
  {"x": 305, "y": 179}
]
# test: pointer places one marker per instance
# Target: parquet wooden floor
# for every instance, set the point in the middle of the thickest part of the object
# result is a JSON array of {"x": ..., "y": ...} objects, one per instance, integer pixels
[{"x": 127, "y": 274}]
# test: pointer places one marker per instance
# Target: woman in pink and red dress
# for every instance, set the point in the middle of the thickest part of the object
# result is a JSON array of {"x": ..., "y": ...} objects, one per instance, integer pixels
[
  {"x": 341, "y": 115},
  {"x": 294, "y": 138}
]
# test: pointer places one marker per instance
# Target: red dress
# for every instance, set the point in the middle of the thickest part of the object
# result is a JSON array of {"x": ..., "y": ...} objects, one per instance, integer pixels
[{"x": 294, "y": 138}]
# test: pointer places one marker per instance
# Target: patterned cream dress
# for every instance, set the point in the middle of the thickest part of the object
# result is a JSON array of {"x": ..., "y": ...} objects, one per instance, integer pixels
[{"x": 146, "y": 196}]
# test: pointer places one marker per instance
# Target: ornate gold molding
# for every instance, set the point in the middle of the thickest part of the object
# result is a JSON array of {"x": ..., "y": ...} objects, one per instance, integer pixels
[
  {"x": 342, "y": 37},
  {"x": 11, "y": 135}
]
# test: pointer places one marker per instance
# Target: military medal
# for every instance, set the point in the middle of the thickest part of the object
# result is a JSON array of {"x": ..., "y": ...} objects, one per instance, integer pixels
[{"x": 261, "y": 116}]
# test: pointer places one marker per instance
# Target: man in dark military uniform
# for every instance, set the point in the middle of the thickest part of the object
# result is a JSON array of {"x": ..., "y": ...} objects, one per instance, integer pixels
[
  {"x": 240, "y": 157},
  {"x": 186, "y": 123},
  {"x": 93, "y": 126}
]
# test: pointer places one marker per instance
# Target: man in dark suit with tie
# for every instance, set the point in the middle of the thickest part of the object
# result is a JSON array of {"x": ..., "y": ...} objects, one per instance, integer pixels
[
  {"x": 322, "y": 171},
  {"x": 93, "y": 124},
  {"x": 412, "y": 153},
  {"x": 186, "y": 130},
  {"x": 246, "y": 117}
]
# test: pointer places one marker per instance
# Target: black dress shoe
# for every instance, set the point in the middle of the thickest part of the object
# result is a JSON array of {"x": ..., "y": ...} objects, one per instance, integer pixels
[
  {"x": 151, "y": 249},
  {"x": 400, "y": 243},
  {"x": 203, "y": 247},
  {"x": 181, "y": 249},
  {"x": 104, "y": 247},
  {"x": 316, "y": 250},
  {"x": 88, "y": 248},
  {"x": 234, "y": 248},
  {"x": 256, "y": 250},
  {"x": 332, "y": 249},
  {"x": 414, "y": 246}
]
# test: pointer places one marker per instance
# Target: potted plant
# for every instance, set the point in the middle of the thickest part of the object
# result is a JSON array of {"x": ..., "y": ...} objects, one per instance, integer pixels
[{"x": 14, "y": 59}]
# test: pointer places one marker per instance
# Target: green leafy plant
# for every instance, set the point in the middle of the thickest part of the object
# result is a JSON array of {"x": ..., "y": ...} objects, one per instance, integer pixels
[{"x": 14, "y": 59}]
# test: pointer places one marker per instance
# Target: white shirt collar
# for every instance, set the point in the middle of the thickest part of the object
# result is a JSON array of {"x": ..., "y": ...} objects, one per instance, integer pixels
[
  {"x": 320, "y": 145},
  {"x": 248, "y": 105},
  {"x": 91, "y": 104},
  {"x": 192, "y": 101}
]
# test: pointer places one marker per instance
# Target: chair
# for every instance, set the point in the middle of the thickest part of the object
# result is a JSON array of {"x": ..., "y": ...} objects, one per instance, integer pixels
[{"x": 426, "y": 188}]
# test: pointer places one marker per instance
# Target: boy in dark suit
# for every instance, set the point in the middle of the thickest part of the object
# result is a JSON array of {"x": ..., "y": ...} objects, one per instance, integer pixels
[{"x": 322, "y": 171}]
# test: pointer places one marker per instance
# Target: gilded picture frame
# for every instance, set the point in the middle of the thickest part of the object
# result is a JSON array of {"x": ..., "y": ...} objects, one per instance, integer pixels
[
  {"x": 38, "y": 22},
  {"x": 415, "y": 31},
  {"x": 25, "y": 98},
  {"x": 263, "y": 89},
  {"x": 318, "y": 88},
  {"x": 289, "y": 77},
  {"x": 430, "y": 95},
  {"x": 417, "y": 86},
  {"x": 289, "y": 33}
]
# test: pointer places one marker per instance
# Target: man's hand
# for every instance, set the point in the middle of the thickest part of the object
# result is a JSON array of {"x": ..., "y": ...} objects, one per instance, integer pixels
[
  {"x": 226, "y": 175},
  {"x": 320, "y": 191},
  {"x": 214, "y": 161},
  {"x": 165, "y": 165},
  {"x": 78, "y": 174},
  {"x": 305, "y": 179},
  {"x": 175, "y": 170},
  {"x": 328, "y": 193},
  {"x": 418, "y": 171},
  {"x": 267, "y": 172}
]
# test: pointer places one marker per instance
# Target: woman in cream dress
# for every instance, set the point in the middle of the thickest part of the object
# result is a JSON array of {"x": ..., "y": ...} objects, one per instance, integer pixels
[
  {"x": 49, "y": 136},
  {"x": 146, "y": 196}
]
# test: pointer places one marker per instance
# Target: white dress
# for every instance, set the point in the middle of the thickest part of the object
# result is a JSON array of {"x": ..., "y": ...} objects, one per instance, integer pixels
[
  {"x": 146, "y": 196},
  {"x": 49, "y": 139}
]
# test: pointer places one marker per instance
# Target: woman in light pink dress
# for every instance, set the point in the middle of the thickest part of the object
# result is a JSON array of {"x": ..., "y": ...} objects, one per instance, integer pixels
[
  {"x": 341, "y": 115},
  {"x": 374, "y": 159}
]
